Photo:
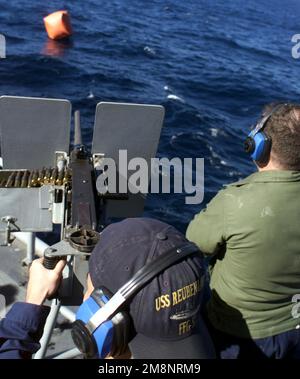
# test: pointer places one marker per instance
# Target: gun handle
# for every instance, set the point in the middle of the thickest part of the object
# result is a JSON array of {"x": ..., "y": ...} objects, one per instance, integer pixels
[{"x": 50, "y": 262}]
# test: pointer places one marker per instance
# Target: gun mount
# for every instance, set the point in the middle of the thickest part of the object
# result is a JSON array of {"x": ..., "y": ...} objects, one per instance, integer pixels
[{"x": 43, "y": 182}]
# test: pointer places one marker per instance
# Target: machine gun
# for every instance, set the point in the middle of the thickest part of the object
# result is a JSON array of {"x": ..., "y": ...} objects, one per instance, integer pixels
[
  {"x": 35, "y": 134},
  {"x": 83, "y": 208}
]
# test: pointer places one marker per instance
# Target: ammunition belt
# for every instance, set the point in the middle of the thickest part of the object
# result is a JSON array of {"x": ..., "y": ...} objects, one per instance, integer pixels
[{"x": 35, "y": 178}]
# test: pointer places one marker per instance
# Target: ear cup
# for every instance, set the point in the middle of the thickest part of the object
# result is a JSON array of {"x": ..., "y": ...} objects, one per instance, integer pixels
[
  {"x": 82, "y": 338},
  {"x": 249, "y": 145},
  {"x": 262, "y": 149},
  {"x": 103, "y": 336},
  {"x": 111, "y": 337},
  {"x": 99, "y": 342},
  {"x": 258, "y": 146},
  {"x": 122, "y": 325}
]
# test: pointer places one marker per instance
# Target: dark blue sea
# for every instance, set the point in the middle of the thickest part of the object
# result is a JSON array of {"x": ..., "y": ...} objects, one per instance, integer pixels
[{"x": 212, "y": 64}]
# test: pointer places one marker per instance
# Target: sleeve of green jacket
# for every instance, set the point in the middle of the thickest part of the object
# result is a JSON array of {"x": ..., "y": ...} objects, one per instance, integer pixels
[{"x": 206, "y": 230}]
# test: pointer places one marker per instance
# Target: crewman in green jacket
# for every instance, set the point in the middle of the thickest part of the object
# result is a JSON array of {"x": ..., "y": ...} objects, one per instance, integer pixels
[{"x": 251, "y": 229}]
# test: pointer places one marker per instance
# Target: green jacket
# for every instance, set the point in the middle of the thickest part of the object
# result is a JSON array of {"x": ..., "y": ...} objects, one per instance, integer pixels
[{"x": 252, "y": 228}]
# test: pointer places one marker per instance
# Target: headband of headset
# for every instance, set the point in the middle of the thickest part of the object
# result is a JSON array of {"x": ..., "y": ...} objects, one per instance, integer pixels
[
  {"x": 138, "y": 281},
  {"x": 262, "y": 123}
]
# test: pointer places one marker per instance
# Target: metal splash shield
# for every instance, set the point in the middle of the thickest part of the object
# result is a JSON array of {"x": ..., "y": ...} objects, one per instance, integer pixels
[
  {"x": 32, "y": 129},
  {"x": 132, "y": 127}
]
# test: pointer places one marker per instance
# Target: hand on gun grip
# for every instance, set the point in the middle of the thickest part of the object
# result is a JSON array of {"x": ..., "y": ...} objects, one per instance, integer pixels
[{"x": 43, "y": 283}]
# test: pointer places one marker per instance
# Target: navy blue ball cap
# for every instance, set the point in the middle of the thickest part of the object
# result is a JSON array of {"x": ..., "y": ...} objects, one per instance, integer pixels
[{"x": 166, "y": 313}]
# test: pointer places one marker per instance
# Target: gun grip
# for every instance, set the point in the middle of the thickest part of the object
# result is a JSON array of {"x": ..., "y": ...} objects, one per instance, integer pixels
[{"x": 50, "y": 262}]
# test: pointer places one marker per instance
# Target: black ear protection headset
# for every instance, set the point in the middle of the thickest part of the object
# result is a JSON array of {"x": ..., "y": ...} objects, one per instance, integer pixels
[
  {"x": 102, "y": 324},
  {"x": 258, "y": 144}
]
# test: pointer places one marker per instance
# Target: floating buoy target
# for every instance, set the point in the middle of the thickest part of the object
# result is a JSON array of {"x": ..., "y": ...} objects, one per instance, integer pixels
[{"x": 58, "y": 25}]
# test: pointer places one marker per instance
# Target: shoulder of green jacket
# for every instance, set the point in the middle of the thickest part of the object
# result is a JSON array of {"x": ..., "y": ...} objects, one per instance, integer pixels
[{"x": 268, "y": 177}]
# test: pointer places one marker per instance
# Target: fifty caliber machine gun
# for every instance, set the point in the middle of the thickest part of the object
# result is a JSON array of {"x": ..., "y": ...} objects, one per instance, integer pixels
[{"x": 34, "y": 135}]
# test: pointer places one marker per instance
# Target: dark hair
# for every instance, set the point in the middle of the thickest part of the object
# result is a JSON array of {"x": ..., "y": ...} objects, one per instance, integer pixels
[{"x": 283, "y": 127}]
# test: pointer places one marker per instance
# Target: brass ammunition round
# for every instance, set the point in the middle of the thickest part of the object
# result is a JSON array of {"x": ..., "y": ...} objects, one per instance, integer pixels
[
  {"x": 41, "y": 175},
  {"x": 53, "y": 176},
  {"x": 47, "y": 176},
  {"x": 18, "y": 179},
  {"x": 30, "y": 179},
  {"x": 60, "y": 178},
  {"x": 67, "y": 176},
  {"x": 24, "y": 181},
  {"x": 11, "y": 180},
  {"x": 34, "y": 180}
]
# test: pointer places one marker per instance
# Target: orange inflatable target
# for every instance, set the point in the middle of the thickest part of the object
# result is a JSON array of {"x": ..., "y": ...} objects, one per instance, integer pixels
[{"x": 58, "y": 25}]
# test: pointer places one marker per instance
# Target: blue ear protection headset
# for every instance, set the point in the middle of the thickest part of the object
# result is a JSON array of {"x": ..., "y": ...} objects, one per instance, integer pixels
[
  {"x": 258, "y": 144},
  {"x": 102, "y": 324}
]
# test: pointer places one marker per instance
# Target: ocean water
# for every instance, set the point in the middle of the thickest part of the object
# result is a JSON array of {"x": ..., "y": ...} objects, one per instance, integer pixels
[{"x": 212, "y": 64}]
